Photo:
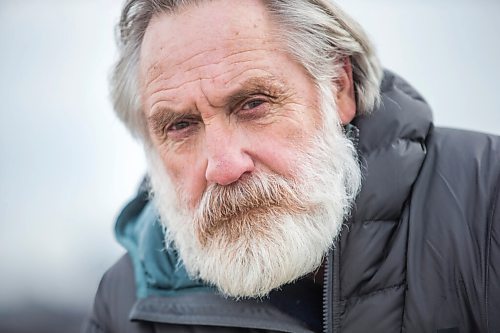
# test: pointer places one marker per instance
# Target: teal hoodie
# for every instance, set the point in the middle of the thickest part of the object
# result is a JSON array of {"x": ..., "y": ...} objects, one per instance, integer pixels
[{"x": 157, "y": 269}]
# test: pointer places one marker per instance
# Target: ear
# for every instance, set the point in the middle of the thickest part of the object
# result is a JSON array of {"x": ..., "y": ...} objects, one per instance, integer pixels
[{"x": 346, "y": 98}]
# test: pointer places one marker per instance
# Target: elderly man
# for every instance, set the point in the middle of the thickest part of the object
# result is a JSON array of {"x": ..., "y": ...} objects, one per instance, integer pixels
[{"x": 293, "y": 186}]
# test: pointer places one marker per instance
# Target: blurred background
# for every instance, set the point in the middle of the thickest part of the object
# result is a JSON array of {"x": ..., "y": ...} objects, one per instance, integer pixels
[{"x": 67, "y": 165}]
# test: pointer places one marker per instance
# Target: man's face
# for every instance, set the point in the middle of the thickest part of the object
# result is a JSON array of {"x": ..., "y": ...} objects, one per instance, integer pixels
[
  {"x": 226, "y": 105},
  {"x": 222, "y": 97}
]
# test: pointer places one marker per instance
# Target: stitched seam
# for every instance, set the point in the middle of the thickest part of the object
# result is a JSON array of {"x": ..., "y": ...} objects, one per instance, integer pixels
[
  {"x": 373, "y": 293},
  {"x": 488, "y": 251},
  {"x": 408, "y": 207},
  {"x": 389, "y": 144},
  {"x": 381, "y": 220}
]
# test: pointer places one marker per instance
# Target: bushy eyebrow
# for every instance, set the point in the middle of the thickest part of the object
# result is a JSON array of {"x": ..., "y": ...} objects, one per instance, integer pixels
[
  {"x": 162, "y": 117},
  {"x": 268, "y": 86}
]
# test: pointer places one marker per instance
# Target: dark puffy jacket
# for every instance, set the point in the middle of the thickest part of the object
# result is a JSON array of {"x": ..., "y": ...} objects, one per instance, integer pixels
[{"x": 421, "y": 252}]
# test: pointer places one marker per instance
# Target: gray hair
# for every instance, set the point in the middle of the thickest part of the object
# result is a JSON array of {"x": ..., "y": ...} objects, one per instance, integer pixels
[{"x": 318, "y": 34}]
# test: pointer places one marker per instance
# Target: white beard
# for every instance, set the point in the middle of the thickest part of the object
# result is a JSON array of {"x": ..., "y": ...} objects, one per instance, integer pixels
[{"x": 252, "y": 254}]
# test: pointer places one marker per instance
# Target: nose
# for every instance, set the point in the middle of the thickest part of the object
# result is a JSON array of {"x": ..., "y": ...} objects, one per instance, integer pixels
[{"x": 227, "y": 159}]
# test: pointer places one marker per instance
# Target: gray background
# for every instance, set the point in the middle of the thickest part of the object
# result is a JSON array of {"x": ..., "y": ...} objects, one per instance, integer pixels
[{"x": 67, "y": 165}]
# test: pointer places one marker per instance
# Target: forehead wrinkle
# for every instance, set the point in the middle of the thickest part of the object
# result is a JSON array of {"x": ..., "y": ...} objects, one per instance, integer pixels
[
  {"x": 161, "y": 79},
  {"x": 224, "y": 60},
  {"x": 201, "y": 53},
  {"x": 156, "y": 71},
  {"x": 154, "y": 85},
  {"x": 228, "y": 71},
  {"x": 162, "y": 88},
  {"x": 268, "y": 76},
  {"x": 214, "y": 49}
]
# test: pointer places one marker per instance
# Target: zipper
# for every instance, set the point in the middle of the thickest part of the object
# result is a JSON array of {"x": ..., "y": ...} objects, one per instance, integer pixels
[{"x": 327, "y": 294}]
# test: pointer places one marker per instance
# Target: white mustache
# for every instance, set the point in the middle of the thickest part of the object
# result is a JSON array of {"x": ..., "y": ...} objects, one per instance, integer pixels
[{"x": 247, "y": 203}]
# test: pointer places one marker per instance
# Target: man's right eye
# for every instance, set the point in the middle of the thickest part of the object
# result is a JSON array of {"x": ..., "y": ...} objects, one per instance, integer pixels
[
  {"x": 178, "y": 126},
  {"x": 180, "y": 129}
]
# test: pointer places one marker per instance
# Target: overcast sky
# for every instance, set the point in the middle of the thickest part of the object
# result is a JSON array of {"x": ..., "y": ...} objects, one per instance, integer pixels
[{"x": 67, "y": 165}]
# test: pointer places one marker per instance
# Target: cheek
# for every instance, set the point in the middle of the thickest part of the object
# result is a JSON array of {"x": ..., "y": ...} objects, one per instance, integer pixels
[
  {"x": 187, "y": 175},
  {"x": 281, "y": 160},
  {"x": 279, "y": 152}
]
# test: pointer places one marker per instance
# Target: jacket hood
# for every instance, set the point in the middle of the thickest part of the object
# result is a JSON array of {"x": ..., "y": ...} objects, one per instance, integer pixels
[
  {"x": 156, "y": 267},
  {"x": 391, "y": 149}
]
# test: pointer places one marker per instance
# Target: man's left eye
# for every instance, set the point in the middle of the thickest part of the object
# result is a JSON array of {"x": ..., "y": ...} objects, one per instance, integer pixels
[{"x": 252, "y": 104}]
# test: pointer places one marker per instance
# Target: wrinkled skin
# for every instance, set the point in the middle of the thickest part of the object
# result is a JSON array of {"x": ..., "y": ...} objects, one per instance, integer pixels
[{"x": 224, "y": 99}]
